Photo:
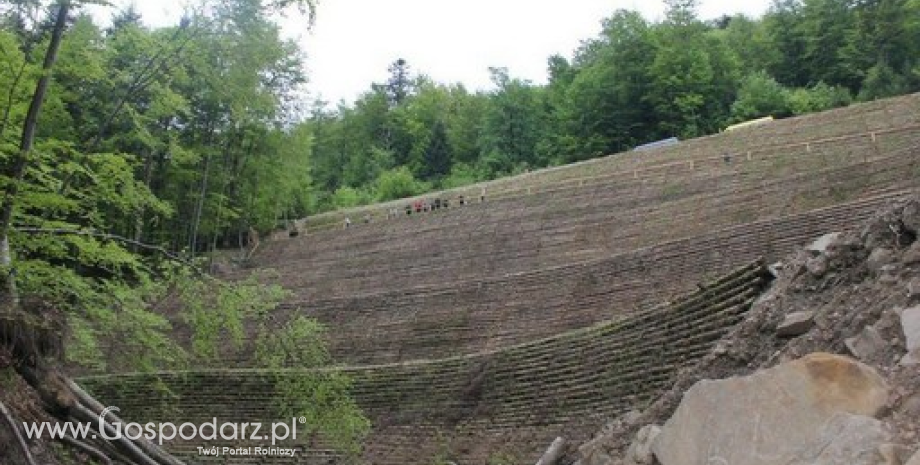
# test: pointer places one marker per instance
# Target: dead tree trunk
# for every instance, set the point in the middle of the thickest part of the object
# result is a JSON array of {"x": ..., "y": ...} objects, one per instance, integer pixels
[
  {"x": 554, "y": 453},
  {"x": 8, "y": 417}
]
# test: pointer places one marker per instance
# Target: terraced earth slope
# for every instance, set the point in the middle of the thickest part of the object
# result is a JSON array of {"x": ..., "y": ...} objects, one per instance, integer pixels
[
  {"x": 567, "y": 297},
  {"x": 482, "y": 276},
  {"x": 789, "y": 134},
  {"x": 511, "y": 401}
]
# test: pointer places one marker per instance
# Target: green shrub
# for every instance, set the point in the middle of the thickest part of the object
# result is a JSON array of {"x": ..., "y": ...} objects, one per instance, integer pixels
[
  {"x": 760, "y": 95},
  {"x": 817, "y": 98},
  {"x": 881, "y": 81},
  {"x": 397, "y": 184},
  {"x": 345, "y": 197}
]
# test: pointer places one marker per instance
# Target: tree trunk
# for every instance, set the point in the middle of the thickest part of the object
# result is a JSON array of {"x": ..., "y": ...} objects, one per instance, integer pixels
[
  {"x": 139, "y": 220},
  {"x": 554, "y": 453},
  {"x": 18, "y": 166},
  {"x": 199, "y": 207},
  {"x": 49, "y": 383},
  {"x": 143, "y": 444},
  {"x": 14, "y": 428}
]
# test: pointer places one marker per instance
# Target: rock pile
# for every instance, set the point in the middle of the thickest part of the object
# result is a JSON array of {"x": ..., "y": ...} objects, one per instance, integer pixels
[{"x": 825, "y": 368}]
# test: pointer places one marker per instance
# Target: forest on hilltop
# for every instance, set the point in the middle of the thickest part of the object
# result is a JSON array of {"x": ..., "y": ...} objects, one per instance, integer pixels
[{"x": 637, "y": 82}]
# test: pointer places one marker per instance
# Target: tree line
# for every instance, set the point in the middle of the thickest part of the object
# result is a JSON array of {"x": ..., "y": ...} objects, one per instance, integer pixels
[
  {"x": 637, "y": 82},
  {"x": 126, "y": 151}
]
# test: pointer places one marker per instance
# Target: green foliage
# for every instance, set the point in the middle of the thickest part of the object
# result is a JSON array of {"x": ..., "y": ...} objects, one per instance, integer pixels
[
  {"x": 216, "y": 312},
  {"x": 599, "y": 106},
  {"x": 177, "y": 138},
  {"x": 694, "y": 75},
  {"x": 397, "y": 184},
  {"x": 511, "y": 125},
  {"x": 345, "y": 197},
  {"x": 820, "y": 97},
  {"x": 882, "y": 81},
  {"x": 749, "y": 40},
  {"x": 296, "y": 355},
  {"x": 461, "y": 175},
  {"x": 760, "y": 95}
]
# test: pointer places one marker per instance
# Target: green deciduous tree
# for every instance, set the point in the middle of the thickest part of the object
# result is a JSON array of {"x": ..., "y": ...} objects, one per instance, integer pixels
[
  {"x": 511, "y": 124},
  {"x": 118, "y": 149},
  {"x": 604, "y": 107},
  {"x": 819, "y": 97},
  {"x": 398, "y": 183},
  {"x": 760, "y": 95}
]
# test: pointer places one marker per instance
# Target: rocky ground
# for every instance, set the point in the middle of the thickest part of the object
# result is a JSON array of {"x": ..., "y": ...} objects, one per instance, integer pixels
[{"x": 825, "y": 369}]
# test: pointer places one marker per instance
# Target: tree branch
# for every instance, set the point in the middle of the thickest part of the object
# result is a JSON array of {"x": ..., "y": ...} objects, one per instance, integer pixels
[
  {"x": 86, "y": 448},
  {"x": 22, "y": 443},
  {"x": 94, "y": 406},
  {"x": 142, "y": 79},
  {"x": 106, "y": 236}
]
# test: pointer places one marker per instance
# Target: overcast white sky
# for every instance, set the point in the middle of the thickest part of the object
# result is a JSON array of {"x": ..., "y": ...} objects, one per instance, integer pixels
[{"x": 354, "y": 41}]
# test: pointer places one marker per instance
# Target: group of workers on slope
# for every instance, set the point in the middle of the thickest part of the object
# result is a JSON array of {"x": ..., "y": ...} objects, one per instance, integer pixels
[{"x": 420, "y": 206}]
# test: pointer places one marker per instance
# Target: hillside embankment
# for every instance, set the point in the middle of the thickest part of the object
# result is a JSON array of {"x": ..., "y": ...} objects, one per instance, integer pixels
[{"x": 824, "y": 369}]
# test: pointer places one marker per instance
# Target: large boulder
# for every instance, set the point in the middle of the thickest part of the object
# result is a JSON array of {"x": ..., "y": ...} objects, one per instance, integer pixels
[
  {"x": 815, "y": 410},
  {"x": 910, "y": 323},
  {"x": 640, "y": 451}
]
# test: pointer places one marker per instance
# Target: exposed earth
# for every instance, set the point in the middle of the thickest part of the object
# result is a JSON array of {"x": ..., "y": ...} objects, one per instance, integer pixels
[{"x": 853, "y": 293}]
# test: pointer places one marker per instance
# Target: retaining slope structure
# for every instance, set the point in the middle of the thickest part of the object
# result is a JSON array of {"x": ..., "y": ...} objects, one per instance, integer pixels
[
  {"x": 501, "y": 280},
  {"x": 583, "y": 222},
  {"x": 842, "y": 122},
  {"x": 465, "y": 283},
  {"x": 488, "y": 314},
  {"x": 508, "y": 403}
]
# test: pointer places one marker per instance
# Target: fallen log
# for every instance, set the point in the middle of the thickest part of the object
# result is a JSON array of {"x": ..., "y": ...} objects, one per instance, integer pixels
[
  {"x": 553, "y": 453},
  {"x": 34, "y": 350},
  {"x": 15, "y": 429},
  {"x": 142, "y": 443}
]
